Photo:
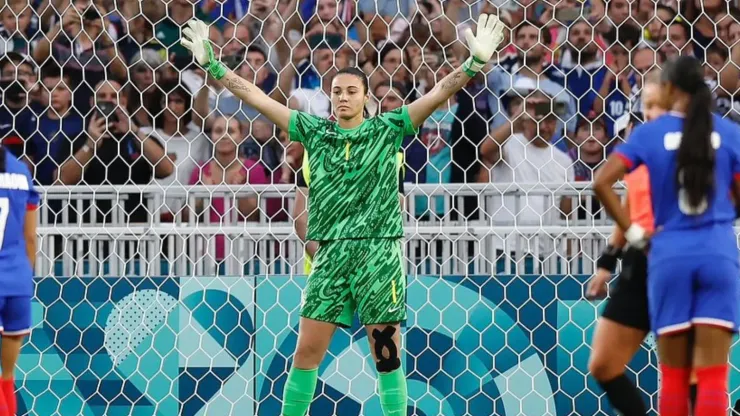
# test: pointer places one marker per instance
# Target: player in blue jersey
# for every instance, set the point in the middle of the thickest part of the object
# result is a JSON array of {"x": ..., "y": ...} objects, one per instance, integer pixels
[
  {"x": 625, "y": 320},
  {"x": 18, "y": 202},
  {"x": 693, "y": 159}
]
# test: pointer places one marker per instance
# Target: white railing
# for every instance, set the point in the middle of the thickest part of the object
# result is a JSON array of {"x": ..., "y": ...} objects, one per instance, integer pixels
[{"x": 96, "y": 244}]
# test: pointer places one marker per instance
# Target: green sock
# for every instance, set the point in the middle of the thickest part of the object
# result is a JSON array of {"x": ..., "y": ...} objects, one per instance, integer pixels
[
  {"x": 393, "y": 393},
  {"x": 298, "y": 392}
]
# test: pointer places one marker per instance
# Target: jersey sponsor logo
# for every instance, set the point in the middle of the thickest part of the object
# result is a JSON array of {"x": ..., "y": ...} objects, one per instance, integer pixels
[{"x": 13, "y": 181}]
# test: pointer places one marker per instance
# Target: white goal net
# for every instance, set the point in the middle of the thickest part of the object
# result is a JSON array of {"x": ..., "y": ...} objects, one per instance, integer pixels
[{"x": 170, "y": 269}]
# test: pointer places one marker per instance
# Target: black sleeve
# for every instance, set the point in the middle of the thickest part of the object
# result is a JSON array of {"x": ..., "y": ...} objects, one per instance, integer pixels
[
  {"x": 142, "y": 170},
  {"x": 300, "y": 181},
  {"x": 468, "y": 131},
  {"x": 71, "y": 147},
  {"x": 401, "y": 190}
]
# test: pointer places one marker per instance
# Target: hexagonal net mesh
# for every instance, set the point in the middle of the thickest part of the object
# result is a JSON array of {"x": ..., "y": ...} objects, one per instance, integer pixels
[{"x": 171, "y": 260}]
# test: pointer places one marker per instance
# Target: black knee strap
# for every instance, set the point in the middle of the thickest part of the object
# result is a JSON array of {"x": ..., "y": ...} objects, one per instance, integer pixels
[{"x": 384, "y": 339}]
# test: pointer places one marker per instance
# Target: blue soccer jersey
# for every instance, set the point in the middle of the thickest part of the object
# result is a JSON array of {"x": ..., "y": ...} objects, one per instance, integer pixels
[
  {"x": 655, "y": 145},
  {"x": 693, "y": 260},
  {"x": 16, "y": 197}
]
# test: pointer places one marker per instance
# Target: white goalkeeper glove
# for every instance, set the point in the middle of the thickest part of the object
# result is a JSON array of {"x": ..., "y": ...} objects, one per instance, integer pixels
[
  {"x": 195, "y": 39},
  {"x": 488, "y": 37},
  {"x": 636, "y": 236}
]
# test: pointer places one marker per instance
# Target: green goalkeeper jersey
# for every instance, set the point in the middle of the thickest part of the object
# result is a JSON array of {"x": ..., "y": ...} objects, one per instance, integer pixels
[{"x": 354, "y": 175}]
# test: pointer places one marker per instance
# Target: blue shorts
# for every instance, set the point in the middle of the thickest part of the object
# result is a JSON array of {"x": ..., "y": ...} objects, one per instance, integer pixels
[
  {"x": 15, "y": 315},
  {"x": 694, "y": 290}
]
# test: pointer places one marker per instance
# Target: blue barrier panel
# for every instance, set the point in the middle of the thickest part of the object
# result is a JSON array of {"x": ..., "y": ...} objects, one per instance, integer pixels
[{"x": 221, "y": 345}]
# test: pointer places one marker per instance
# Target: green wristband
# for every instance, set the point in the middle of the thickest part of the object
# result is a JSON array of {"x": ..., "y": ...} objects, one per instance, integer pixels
[
  {"x": 472, "y": 66},
  {"x": 215, "y": 68}
]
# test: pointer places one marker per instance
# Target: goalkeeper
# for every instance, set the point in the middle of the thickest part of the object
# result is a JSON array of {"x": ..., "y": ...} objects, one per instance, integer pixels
[
  {"x": 354, "y": 212},
  {"x": 300, "y": 213}
]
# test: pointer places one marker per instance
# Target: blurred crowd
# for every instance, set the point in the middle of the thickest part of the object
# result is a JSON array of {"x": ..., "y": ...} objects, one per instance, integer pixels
[{"x": 101, "y": 92}]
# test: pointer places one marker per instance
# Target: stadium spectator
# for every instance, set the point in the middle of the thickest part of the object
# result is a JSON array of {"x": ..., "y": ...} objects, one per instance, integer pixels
[
  {"x": 316, "y": 100},
  {"x": 236, "y": 39},
  {"x": 678, "y": 41},
  {"x": 733, "y": 32},
  {"x": 522, "y": 152},
  {"x": 139, "y": 40},
  {"x": 643, "y": 59},
  {"x": 260, "y": 145},
  {"x": 59, "y": 127},
  {"x": 430, "y": 18},
  {"x": 225, "y": 12},
  {"x": 167, "y": 28},
  {"x": 557, "y": 18},
  {"x": 270, "y": 23},
  {"x": 619, "y": 12},
  {"x": 722, "y": 72},
  {"x": 291, "y": 161},
  {"x": 85, "y": 51},
  {"x": 394, "y": 63},
  {"x": 582, "y": 64},
  {"x": 183, "y": 141},
  {"x": 657, "y": 26},
  {"x": 591, "y": 147},
  {"x": 429, "y": 65},
  {"x": 144, "y": 100},
  {"x": 253, "y": 66},
  {"x": 614, "y": 83},
  {"x": 724, "y": 22},
  {"x": 226, "y": 167},
  {"x": 707, "y": 23},
  {"x": 308, "y": 75},
  {"x": 18, "y": 113},
  {"x": 114, "y": 152},
  {"x": 275, "y": 156},
  {"x": 470, "y": 127},
  {"x": 386, "y": 8},
  {"x": 326, "y": 20},
  {"x": 388, "y": 97},
  {"x": 592, "y": 140},
  {"x": 19, "y": 28},
  {"x": 529, "y": 63}
]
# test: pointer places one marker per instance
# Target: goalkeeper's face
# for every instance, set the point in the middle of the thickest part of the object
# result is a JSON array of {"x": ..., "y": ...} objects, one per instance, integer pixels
[{"x": 348, "y": 96}]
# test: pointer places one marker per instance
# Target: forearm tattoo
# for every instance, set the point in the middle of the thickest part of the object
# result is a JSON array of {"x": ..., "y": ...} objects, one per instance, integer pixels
[
  {"x": 234, "y": 83},
  {"x": 455, "y": 80}
]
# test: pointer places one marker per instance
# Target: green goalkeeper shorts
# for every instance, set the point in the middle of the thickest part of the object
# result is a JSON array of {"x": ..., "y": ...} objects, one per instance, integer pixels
[{"x": 363, "y": 275}]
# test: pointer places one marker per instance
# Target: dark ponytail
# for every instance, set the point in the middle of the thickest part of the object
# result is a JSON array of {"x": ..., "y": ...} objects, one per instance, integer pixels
[
  {"x": 695, "y": 156},
  {"x": 3, "y": 166}
]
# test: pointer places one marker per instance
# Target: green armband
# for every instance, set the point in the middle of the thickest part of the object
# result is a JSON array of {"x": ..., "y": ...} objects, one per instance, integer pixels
[
  {"x": 472, "y": 66},
  {"x": 215, "y": 68}
]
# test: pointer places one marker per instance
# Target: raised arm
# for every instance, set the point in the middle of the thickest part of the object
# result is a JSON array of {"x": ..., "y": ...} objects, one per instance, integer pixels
[
  {"x": 195, "y": 38},
  {"x": 490, "y": 34}
]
